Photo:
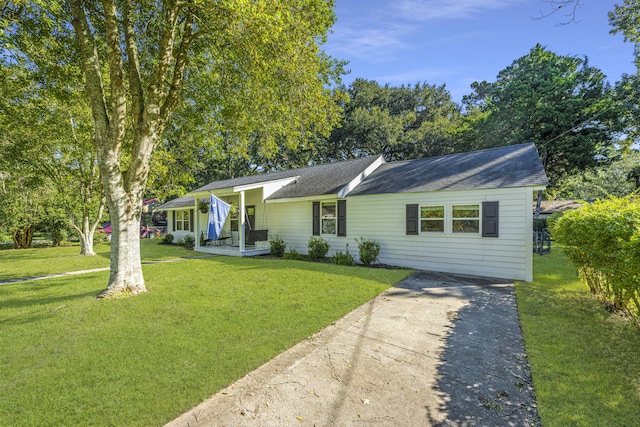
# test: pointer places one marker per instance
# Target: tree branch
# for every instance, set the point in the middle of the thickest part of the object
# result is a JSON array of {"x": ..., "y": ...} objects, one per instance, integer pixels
[
  {"x": 182, "y": 58},
  {"x": 135, "y": 80},
  {"x": 165, "y": 55},
  {"x": 562, "y": 5},
  {"x": 90, "y": 65},
  {"x": 116, "y": 73}
]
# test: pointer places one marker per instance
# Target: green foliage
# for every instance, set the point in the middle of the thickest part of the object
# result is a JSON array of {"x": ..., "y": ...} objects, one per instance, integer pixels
[
  {"x": 167, "y": 239},
  {"x": 318, "y": 248},
  {"x": 616, "y": 178},
  {"x": 602, "y": 240},
  {"x": 560, "y": 103},
  {"x": 188, "y": 241},
  {"x": 345, "y": 258},
  {"x": 583, "y": 358},
  {"x": 369, "y": 250},
  {"x": 198, "y": 330},
  {"x": 277, "y": 246},
  {"x": 625, "y": 19},
  {"x": 100, "y": 237},
  {"x": 294, "y": 255},
  {"x": 403, "y": 122}
]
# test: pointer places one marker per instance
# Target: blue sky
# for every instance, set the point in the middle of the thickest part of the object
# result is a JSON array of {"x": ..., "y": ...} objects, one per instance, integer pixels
[{"x": 457, "y": 42}]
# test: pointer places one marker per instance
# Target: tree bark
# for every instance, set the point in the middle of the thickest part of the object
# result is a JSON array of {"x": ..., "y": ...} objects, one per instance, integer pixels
[
  {"x": 22, "y": 238},
  {"x": 150, "y": 112},
  {"x": 125, "y": 277}
]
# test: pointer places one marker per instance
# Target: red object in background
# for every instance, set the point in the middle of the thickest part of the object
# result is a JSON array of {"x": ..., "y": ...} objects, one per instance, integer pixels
[{"x": 106, "y": 228}]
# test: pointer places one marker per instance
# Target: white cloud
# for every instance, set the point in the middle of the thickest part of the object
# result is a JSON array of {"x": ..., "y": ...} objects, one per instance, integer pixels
[
  {"x": 428, "y": 10},
  {"x": 372, "y": 42}
]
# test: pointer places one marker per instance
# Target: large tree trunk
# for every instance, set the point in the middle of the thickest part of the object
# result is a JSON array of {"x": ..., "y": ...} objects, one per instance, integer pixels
[
  {"x": 150, "y": 111},
  {"x": 23, "y": 237},
  {"x": 125, "y": 276}
]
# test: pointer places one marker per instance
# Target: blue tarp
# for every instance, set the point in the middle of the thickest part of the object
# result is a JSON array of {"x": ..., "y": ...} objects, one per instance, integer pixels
[{"x": 218, "y": 212}]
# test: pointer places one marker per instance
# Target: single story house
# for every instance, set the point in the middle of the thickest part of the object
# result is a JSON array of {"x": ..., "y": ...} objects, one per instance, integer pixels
[{"x": 467, "y": 213}]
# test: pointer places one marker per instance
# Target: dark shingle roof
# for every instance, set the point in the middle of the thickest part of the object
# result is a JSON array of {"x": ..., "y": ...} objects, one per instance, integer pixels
[
  {"x": 319, "y": 180},
  {"x": 180, "y": 202},
  {"x": 251, "y": 179},
  {"x": 510, "y": 166}
]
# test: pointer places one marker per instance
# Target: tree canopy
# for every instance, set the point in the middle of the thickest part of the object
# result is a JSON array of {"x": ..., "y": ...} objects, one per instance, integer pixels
[
  {"x": 560, "y": 103},
  {"x": 260, "y": 60},
  {"x": 403, "y": 122}
]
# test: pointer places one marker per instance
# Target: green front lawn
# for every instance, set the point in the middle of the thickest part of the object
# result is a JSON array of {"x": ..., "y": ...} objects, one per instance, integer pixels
[
  {"x": 69, "y": 359},
  {"x": 15, "y": 263},
  {"x": 585, "y": 361}
]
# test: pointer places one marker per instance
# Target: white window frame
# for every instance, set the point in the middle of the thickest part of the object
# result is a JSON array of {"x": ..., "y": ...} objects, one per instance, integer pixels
[
  {"x": 475, "y": 218},
  {"x": 183, "y": 220},
  {"x": 329, "y": 218},
  {"x": 443, "y": 219}
]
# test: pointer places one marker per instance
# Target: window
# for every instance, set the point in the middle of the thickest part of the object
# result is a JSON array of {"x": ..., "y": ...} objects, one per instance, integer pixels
[
  {"x": 183, "y": 222},
  {"x": 328, "y": 218},
  {"x": 465, "y": 218},
  {"x": 432, "y": 219}
]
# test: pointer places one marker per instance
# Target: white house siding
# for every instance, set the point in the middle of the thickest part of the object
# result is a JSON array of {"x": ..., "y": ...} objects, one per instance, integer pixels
[
  {"x": 382, "y": 218},
  {"x": 177, "y": 235}
]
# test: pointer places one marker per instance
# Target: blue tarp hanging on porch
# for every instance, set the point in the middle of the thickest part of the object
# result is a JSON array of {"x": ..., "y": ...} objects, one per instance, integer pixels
[{"x": 218, "y": 211}]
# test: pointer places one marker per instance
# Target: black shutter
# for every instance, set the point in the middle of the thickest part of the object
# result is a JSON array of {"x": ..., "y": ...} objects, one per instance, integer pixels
[
  {"x": 412, "y": 219},
  {"x": 490, "y": 219},
  {"x": 191, "y": 220},
  {"x": 173, "y": 215},
  {"x": 342, "y": 217},
  {"x": 316, "y": 218}
]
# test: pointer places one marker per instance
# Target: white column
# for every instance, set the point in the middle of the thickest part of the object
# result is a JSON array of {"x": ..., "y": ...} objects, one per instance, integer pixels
[
  {"x": 242, "y": 219},
  {"x": 196, "y": 226}
]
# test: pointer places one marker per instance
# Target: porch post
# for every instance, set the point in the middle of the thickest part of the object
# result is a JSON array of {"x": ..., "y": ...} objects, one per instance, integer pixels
[
  {"x": 196, "y": 226},
  {"x": 242, "y": 219}
]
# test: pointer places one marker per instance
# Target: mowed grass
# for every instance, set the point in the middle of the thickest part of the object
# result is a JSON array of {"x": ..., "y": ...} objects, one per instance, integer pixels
[
  {"x": 16, "y": 263},
  {"x": 70, "y": 359},
  {"x": 585, "y": 361}
]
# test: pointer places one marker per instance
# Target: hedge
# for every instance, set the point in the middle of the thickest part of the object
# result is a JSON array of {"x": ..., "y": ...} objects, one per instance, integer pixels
[{"x": 602, "y": 239}]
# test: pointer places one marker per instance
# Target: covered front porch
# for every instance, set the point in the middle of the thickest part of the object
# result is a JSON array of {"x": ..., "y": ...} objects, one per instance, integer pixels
[{"x": 245, "y": 231}]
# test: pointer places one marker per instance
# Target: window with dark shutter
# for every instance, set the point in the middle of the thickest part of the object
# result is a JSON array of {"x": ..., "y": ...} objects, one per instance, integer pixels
[
  {"x": 490, "y": 219},
  {"x": 191, "y": 220},
  {"x": 342, "y": 217},
  {"x": 316, "y": 218},
  {"x": 173, "y": 215},
  {"x": 412, "y": 219}
]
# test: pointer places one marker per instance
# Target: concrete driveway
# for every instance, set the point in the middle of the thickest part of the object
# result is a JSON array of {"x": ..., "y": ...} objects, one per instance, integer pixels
[{"x": 436, "y": 349}]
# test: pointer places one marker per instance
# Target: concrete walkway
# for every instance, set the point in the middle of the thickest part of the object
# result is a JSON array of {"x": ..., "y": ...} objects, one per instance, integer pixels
[
  {"x": 435, "y": 350},
  {"x": 92, "y": 270}
]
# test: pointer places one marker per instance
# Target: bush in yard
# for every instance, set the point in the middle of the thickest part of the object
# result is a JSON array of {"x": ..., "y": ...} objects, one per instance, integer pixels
[
  {"x": 277, "y": 246},
  {"x": 293, "y": 255},
  {"x": 167, "y": 239},
  {"x": 602, "y": 240},
  {"x": 100, "y": 237},
  {"x": 369, "y": 250},
  {"x": 318, "y": 248},
  {"x": 188, "y": 241},
  {"x": 343, "y": 258}
]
